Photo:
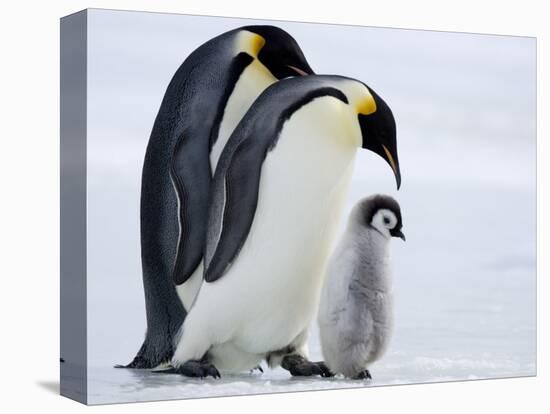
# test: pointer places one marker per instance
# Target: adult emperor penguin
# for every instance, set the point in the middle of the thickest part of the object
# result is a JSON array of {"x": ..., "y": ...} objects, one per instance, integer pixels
[
  {"x": 277, "y": 195},
  {"x": 205, "y": 99}
]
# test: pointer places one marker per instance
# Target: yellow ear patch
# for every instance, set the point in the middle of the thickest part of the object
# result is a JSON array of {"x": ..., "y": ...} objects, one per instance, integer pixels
[
  {"x": 256, "y": 44},
  {"x": 366, "y": 106}
]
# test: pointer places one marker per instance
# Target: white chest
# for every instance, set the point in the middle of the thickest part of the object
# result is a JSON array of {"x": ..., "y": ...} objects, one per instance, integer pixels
[
  {"x": 254, "y": 79},
  {"x": 275, "y": 281}
]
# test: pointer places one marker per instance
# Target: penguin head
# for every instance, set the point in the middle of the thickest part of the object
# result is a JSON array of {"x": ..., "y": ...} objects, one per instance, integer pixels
[
  {"x": 378, "y": 130},
  {"x": 381, "y": 213},
  {"x": 280, "y": 53}
]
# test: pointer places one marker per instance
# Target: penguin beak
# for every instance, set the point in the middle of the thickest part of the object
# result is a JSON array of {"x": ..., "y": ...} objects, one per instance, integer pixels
[
  {"x": 398, "y": 233},
  {"x": 379, "y": 134},
  {"x": 298, "y": 70},
  {"x": 391, "y": 158}
]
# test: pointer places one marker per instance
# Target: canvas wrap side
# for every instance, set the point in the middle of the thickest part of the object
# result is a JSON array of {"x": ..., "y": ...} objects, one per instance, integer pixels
[{"x": 73, "y": 356}]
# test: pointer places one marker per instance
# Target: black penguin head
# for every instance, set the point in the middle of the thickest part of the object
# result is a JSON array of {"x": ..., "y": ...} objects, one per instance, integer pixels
[
  {"x": 280, "y": 53},
  {"x": 379, "y": 132},
  {"x": 383, "y": 214}
]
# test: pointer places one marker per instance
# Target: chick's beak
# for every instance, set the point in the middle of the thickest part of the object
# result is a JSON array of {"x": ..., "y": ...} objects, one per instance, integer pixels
[{"x": 399, "y": 233}]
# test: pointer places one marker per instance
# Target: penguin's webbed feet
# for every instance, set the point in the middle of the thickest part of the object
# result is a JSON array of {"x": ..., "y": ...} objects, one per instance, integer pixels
[
  {"x": 297, "y": 365},
  {"x": 363, "y": 375},
  {"x": 198, "y": 369}
]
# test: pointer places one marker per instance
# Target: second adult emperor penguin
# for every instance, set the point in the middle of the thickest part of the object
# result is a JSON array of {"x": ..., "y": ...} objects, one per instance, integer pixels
[
  {"x": 204, "y": 101},
  {"x": 277, "y": 197}
]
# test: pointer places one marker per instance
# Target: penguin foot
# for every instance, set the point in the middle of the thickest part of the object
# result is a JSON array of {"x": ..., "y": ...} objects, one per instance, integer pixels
[
  {"x": 363, "y": 375},
  {"x": 297, "y": 365},
  {"x": 149, "y": 357},
  {"x": 198, "y": 369}
]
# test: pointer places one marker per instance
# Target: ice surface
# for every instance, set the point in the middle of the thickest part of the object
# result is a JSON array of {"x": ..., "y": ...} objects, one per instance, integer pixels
[
  {"x": 465, "y": 280},
  {"x": 457, "y": 317}
]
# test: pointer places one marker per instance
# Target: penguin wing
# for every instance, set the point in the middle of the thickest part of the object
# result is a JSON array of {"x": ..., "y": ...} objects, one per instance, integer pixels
[
  {"x": 191, "y": 179},
  {"x": 190, "y": 169},
  {"x": 234, "y": 201},
  {"x": 236, "y": 182}
]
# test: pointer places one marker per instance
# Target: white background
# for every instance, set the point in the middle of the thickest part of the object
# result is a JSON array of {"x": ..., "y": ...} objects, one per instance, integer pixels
[{"x": 29, "y": 219}]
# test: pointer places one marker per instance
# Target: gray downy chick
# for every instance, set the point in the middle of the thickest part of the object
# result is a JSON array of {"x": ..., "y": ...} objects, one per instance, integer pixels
[{"x": 356, "y": 307}]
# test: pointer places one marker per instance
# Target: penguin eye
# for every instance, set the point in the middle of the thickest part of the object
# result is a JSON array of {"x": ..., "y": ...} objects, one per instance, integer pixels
[{"x": 386, "y": 220}]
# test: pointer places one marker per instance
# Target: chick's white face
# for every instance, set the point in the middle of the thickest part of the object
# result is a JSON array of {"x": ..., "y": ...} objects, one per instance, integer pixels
[{"x": 384, "y": 221}]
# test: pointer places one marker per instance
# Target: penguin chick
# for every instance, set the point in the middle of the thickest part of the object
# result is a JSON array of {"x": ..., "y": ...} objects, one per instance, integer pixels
[{"x": 356, "y": 307}]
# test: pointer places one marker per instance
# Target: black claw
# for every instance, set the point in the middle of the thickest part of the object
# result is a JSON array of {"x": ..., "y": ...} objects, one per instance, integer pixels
[
  {"x": 325, "y": 371},
  {"x": 212, "y": 371},
  {"x": 198, "y": 369},
  {"x": 363, "y": 375},
  {"x": 297, "y": 365}
]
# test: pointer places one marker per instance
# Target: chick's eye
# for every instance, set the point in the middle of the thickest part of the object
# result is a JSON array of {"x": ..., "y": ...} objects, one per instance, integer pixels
[{"x": 386, "y": 220}]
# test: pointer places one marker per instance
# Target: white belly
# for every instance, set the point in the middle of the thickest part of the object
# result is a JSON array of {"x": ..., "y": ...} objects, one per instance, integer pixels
[
  {"x": 254, "y": 79},
  {"x": 188, "y": 290},
  {"x": 270, "y": 293}
]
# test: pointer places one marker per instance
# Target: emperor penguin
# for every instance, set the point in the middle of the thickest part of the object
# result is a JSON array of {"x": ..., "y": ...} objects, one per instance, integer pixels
[
  {"x": 277, "y": 196},
  {"x": 356, "y": 309},
  {"x": 203, "y": 103}
]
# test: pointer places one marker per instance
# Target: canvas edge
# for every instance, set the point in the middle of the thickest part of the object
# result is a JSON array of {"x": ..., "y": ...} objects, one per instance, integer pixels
[{"x": 73, "y": 315}]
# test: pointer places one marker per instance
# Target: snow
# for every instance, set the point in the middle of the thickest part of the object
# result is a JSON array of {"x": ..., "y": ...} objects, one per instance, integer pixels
[
  {"x": 472, "y": 319},
  {"x": 465, "y": 280}
]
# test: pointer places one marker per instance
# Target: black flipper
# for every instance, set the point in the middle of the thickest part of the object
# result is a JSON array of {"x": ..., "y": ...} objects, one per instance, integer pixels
[
  {"x": 241, "y": 198},
  {"x": 190, "y": 172}
]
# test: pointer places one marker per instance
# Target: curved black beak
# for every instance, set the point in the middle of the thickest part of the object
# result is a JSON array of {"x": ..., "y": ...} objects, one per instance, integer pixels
[
  {"x": 398, "y": 233},
  {"x": 379, "y": 134}
]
